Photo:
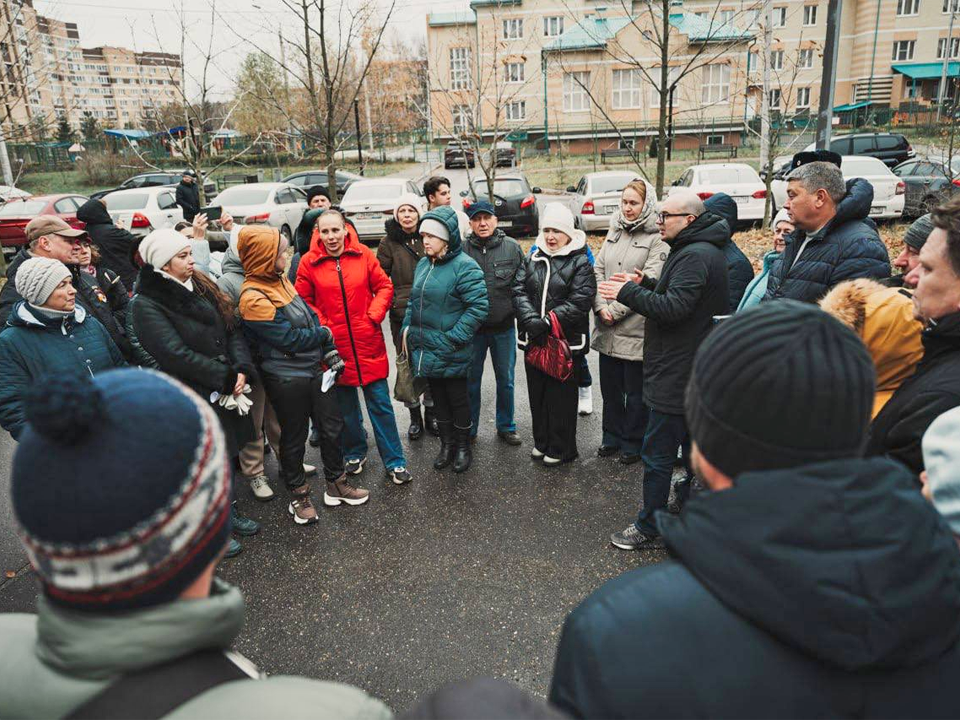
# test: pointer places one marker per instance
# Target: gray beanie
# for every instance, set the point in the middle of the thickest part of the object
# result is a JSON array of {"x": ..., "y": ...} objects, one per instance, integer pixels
[
  {"x": 918, "y": 233},
  {"x": 38, "y": 277},
  {"x": 430, "y": 226},
  {"x": 941, "y": 457}
]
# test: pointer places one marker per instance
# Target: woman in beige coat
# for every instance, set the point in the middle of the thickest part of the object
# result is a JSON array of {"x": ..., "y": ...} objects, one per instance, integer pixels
[{"x": 633, "y": 242}]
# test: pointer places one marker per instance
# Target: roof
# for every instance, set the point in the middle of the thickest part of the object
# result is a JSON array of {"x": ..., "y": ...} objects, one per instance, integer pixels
[
  {"x": 706, "y": 29},
  {"x": 129, "y": 134},
  {"x": 591, "y": 32},
  {"x": 456, "y": 17},
  {"x": 851, "y": 106},
  {"x": 926, "y": 71},
  {"x": 490, "y": 3}
]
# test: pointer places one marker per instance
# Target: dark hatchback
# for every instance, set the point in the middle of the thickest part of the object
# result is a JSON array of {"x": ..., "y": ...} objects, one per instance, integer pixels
[
  {"x": 306, "y": 179},
  {"x": 928, "y": 184},
  {"x": 455, "y": 154},
  {"x": 514, "y": 202}
]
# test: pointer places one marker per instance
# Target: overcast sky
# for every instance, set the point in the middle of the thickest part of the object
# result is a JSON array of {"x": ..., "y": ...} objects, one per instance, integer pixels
[{"x": 241, "y": 26}]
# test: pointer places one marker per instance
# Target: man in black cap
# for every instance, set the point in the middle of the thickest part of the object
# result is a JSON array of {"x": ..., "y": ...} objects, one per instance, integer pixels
[
  {"x": 808, "y": 582},
  {"x": 188, "y": 195},
  {"x": 318, "y": 198},
  {"x": 909, "y": 257}
]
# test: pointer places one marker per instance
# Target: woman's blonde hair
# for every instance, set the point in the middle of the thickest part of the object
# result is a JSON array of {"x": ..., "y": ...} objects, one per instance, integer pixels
[{"x": 639, "y": 187}]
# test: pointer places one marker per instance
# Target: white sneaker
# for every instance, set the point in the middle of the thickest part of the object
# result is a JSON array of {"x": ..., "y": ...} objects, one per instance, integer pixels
[
  {"x": 536, "y": 454},
  {"x": 551, "y": 461},
  {"x": 260, "y": 485},
  {"x": 585, "y": 406},
  {"x": 309, "y": 469}
]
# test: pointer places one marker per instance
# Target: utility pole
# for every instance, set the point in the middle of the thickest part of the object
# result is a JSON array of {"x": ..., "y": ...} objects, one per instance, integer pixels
[
  {"x": 946, "y": 59},
  {"x": 366, "y": 112},
  {"x": 356, "y": 119},
  {"x": 765, "y": 94},
  {"x": 286, "y": 87},
  {"x": 829, "y": 79}
]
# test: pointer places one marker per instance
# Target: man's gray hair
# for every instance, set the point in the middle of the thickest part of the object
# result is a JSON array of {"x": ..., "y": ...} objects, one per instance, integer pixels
[
  {"x": 688, "y": 202},
  {"x": 816, "y": 175}
]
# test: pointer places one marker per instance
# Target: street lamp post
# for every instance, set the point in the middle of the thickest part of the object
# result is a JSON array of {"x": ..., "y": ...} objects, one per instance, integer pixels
[{"x": 946, "y": 58}]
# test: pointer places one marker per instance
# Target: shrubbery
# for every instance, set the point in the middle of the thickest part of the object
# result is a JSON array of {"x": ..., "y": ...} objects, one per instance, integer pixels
[{"x": 97, "y": 168}]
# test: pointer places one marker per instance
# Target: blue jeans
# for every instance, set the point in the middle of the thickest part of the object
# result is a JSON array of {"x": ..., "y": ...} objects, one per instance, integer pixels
[
  {"x": 665, "y": 435},
  {"x": 376, "y": 397},
  {"x": 503, "y": 353}
]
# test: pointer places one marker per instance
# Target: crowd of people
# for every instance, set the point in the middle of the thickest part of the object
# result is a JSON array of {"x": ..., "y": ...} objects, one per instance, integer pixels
[{"x": 817, "y": 402}]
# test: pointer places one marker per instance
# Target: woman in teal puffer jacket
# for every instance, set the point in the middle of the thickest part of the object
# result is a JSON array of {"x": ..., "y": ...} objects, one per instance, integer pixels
[{"x": 448, "y": 303}]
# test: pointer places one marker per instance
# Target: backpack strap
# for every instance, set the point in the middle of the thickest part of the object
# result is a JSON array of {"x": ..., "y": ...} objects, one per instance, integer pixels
[{"x": 156, "y": 691}]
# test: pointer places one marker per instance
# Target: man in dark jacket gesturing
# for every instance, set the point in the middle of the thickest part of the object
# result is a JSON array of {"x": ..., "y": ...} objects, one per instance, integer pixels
[
  {"x": 679, "y": 310},
  {"x": 117, "y": 246},
  {"x": 809, "y": 583},
  {"x": 834, "y": 239}
]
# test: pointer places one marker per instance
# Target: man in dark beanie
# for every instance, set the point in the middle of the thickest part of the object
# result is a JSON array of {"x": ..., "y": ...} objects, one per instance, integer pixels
[
  {"x": 318, "y": 198},
  {"x": 909, "y": 257},
  {"x": 808, "y": 583},
  {"x": 121, "y": 492}
]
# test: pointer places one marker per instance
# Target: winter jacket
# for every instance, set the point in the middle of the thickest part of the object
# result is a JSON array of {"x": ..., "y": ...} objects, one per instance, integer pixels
[
  {"x": 739, "y": 269},
  {"x": 188, "y": 198},
  {"x": 117, "y": 246},
  {"x": 498, "y": 256},
  {"x": 448, "y": 304},
  {"x": 830, "y": 590},
  {"x": 398, "y": 254},
  {"x": 231, "y": 275},
  {"x": 935, "y": 388},
  {"x": 679, "y": 309},
  {"x": 73, "y": 656},
  {"x": 622, "y": 251},
  {"x": 847, "y": 247},
  {"x": 757, "y": 287},
  {"x": 883, "y": 318},
  {"x": 34, "y": 345},
  {"x": 108, "y": 305},
  {"x": 351, "y": 295}
]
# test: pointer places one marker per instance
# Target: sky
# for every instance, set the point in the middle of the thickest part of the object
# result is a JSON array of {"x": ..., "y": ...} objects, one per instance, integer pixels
[{"x": 240, "y": 27}]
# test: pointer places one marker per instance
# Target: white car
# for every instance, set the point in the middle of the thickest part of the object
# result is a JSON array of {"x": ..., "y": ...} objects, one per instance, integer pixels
[
  {"x": 9, "y": 192},
  {"x": 279, "y": 205},
  {"x": 888, "y": 190},
  {"x": 368, "y": 204},
  {"x": 143, "y": 210},
  {"x": 597, "y": 196},
  {"x": 741, "y": 182}
]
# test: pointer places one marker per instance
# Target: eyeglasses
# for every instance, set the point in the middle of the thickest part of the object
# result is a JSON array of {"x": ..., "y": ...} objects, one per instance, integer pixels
[{"x": 662, "y": 215}]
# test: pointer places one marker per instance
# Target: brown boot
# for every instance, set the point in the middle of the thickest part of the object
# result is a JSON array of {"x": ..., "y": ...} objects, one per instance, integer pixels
[
  {"x": 303, "y": 511},
  {"x": 341, "y": 491}
]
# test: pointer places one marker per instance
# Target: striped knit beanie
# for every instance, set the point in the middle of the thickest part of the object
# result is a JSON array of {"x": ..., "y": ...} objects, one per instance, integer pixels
[
  {"x": 121, "y": 488},
  {"x": 780, "y": 385}
]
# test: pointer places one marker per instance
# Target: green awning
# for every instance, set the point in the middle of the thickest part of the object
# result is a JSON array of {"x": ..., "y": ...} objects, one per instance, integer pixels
[
  {"x": 927, "y": 71},
  {"x": 851, "y": 106}
]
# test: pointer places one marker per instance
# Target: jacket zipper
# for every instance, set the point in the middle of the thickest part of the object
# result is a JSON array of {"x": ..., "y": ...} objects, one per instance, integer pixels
[
  {"x": 420, "y": 362},
  {"x": 346, "y": 313}
]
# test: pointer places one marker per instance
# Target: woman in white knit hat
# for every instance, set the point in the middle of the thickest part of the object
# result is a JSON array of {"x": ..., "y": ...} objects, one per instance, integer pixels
[
  {"x": 47, "y": 333},
  {"x": 782, "y": 227}
]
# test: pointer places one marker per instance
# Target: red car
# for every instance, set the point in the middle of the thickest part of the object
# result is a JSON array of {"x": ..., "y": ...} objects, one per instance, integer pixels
[{"x": 15, "y": 214}]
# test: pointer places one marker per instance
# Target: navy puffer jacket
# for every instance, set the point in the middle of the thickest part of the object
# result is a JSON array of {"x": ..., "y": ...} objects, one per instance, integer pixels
[{"x": 850, "y": 248}]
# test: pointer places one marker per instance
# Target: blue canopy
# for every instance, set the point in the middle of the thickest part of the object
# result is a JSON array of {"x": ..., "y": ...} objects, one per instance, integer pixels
[{"x": 128, "y": 134}]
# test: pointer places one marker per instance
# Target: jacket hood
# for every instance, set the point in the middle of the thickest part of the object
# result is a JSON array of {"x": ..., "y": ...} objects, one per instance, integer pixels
[
  {"x": 93, "y": 212},
  {"x": 257, "y": 248},
  {"x": 22, "y": 315},
  {"x": 305, "y": 230},
  {"x": 843, "y": 560},
  {"x": 231, "y": 263},
  {"x": 723, "y": 205},
  {"x": 647, "y": 221},
  {"x": 856, "y": 204},
  {"x": 448, "y": 217},
  {"x": 770, "y": 258},
  {"x": 708, "y": 228}
]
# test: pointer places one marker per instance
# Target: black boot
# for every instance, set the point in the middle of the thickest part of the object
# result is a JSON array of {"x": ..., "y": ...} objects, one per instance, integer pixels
[
  {"x": 415, "y": 432},
  {"x": 464, "y": 456},
  {"x": 447, "y": 448},
  {"x": 430, "y": 420}
]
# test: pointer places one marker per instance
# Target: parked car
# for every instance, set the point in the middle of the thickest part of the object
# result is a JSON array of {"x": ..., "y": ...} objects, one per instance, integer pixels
[
  {"x": 8, "y": 192},
  {"x": 368, "y": 204},
  {"x": 739, "y": 181},
  {"x": 308, "y": 178},
  {"x": 278, "y": 205},
  {"x": 158, "y": 178},
  {"x": 596, "y": 197},
  {"x": 928, "y": 182},
  {"x": 888, "y": 189},
  {"x": 505, "y": 154},
  {"x": 15, "y": 215},
  {"x": 455, "y": 154},
  {"x": 892, "y": 148},
  {"x": 513, "y": 200},
  {"x": 145, "y": 209}
]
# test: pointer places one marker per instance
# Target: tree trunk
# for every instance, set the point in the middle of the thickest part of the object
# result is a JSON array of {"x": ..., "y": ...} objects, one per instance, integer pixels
[{"x": 664, "y": 95}]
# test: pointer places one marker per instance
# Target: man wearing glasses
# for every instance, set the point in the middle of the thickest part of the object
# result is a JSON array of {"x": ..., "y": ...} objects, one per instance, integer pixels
[{"x": 679, "y": 308}]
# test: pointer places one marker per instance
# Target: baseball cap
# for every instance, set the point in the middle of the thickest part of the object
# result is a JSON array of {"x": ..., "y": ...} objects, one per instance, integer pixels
[
  {"x": 481, "y": 206},
  {"x": 50, "y": 225}
]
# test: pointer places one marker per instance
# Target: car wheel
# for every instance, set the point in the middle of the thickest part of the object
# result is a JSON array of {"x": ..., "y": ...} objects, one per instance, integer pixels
[
  {"x": 285, "y": 231},
  {"x": 446, "y": 165}
]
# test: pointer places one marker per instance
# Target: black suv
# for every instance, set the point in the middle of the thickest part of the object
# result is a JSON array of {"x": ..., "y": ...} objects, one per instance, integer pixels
[{"x": 892, "y": 148}]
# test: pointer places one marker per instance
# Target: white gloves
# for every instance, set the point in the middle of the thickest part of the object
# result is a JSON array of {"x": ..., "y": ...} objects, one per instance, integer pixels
[{"x": 239, "y": 403}]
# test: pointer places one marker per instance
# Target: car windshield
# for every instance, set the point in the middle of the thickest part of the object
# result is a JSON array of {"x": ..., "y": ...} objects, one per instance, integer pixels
[
  {"x": 362, "y": 192},
  {"x": 22, "y": 209},
  {"x": 240, "y": 195},
  {"x": 861, "y": 168},
  {"x": 601, "y": 185},
  {"x": 722, "y": 176},
  {"x": 503, "y": 188},
  {"x": 126, "y": 201}
]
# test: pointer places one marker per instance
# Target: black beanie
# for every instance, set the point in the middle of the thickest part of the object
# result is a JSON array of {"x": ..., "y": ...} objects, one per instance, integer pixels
[{"x": 777, "y": 386}]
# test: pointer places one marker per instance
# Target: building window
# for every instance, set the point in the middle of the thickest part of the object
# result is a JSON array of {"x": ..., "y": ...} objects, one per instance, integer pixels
[
  {"x": 951, "y": 7},
  {"x": 462, "y": 120},
  {"x": 460, "y": 68},
  {"x": 513, "y": 73},
  {"x": 776, "y": 59},
  {"x": 513, "y": 29},
  {"x": 775, "y": 99},
  {"x": 942, "y": 47},
  {"x": 575, "y": 96},
  {"x": 753, "y": 62},
  {"x": 626, "y": 89},
  {"x": 903, "y": 50},
  {"x": 672, "y": 74},
  {"x": 780, "y": 16},
  {"x": 725, "y": 16},
  {"x": 908, "y": 7},
  {"x": 716, "y": 83},
  {"x": 809, "y": 15},
  {"x": 714, "y": 139},
  {"x": 553, "y": 26},
  {"x": 517, "y": 110},
  {"x": 805, "y": 61},
  {"x": 803, "y": 98}
]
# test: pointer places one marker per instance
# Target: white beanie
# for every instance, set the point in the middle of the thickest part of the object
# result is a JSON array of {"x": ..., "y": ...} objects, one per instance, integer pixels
[
  {"x": 159, "y": 247},
  {"x": 432, "y": 226},
  {"x": 414, "y": 201},
  {"x": 941, "y": 457},
  {"x": 38, "y": 277},
  {"x": 558, "y": 217},
  {"x": 781, "y": 216}
]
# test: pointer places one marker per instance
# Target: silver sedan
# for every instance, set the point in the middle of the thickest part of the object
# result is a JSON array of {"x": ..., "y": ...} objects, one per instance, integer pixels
[{"x": 597, "y": 196}]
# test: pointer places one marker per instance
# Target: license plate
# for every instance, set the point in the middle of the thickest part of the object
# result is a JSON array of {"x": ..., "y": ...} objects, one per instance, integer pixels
[
  {"x": 504, "y": 223},
  {"x": 368, "y": 216},
  {"x": 741, "y": 200},
  {"x": 877, "y": 210},
  {"x": 608, "y": 209}
]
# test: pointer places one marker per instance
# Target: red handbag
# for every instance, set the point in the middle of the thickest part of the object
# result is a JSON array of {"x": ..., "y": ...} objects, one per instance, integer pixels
[{"x": 553, "y": 357}]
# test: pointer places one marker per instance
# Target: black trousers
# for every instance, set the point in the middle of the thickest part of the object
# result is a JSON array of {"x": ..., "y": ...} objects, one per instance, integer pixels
[
  {"x": 294, "y": 400},
  {"x": 451, "y": 401},
  {"x": 553, "y": 407},
  {"x": 624, "y": 413}
]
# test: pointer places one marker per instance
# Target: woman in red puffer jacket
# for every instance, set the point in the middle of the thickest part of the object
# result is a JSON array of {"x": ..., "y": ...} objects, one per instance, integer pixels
[{"x": 343, "y": 282}]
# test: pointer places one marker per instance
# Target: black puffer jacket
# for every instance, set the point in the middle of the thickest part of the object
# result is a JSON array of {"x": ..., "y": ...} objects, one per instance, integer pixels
[
  {"x": 692, "y": 288},
  {"x": 498, "y": 256},
  {"x": 564, "y": 284},
  {"x": 853, "y": 614},
  {"x": 117, "y": 246},
  {"x": 849, "y": 248},
  {"x": 188, "y": 198},
  {"x": 932, "y": 390},
  {"x": 739, "y": 269}
]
